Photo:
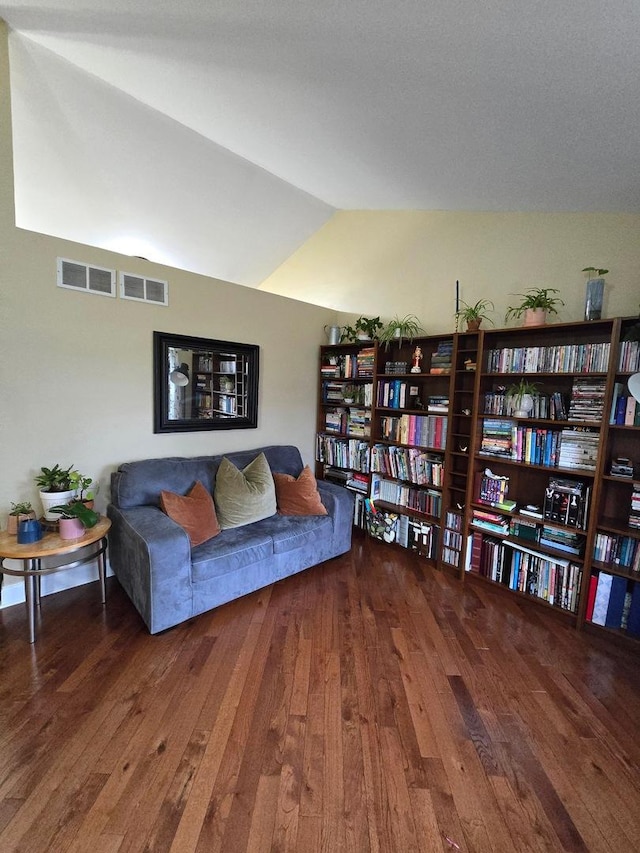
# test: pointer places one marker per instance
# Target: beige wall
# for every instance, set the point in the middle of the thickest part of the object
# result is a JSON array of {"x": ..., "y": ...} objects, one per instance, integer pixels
[
  {"x": 402, "y": 262},
  {"x": 76, "y": 383}
]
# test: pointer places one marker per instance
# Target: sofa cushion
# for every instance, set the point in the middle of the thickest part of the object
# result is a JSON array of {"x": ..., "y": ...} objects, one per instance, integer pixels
[
  {"x": 230, "y": 551},
  {"x": 195, "y": 512},
  {"x": 290, "y": 532},
  {"x": 243, "y": 497},
  {"x": 298, "y": 495}
]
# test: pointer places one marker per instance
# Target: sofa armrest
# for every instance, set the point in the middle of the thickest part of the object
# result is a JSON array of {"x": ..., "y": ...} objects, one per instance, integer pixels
[
  {"x": 151, "y": 557},
  {"x": 339, "y": 503}
]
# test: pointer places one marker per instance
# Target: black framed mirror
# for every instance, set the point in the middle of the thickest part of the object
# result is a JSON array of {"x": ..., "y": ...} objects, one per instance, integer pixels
[{"x": 203, "y": 384}]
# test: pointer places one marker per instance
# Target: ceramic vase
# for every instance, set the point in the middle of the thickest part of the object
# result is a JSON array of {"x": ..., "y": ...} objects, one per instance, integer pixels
[{"x": 70, "y": 528}]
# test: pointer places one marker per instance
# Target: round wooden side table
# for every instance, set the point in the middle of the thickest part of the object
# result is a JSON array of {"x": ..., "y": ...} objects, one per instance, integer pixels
[{"x": 51, "y": 545}]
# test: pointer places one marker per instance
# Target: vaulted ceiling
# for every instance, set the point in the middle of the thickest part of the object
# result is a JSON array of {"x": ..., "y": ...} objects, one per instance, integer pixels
[{"x": 218, "y": 136}]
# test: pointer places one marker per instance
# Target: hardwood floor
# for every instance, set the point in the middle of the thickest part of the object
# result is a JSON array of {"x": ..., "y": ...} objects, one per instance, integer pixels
[{"x": 369, "y": 704}]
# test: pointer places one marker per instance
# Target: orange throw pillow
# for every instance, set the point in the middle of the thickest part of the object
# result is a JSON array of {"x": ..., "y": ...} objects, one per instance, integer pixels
[
  {"x": 298, "y": 496},
  {"x": 195, "y": 512}
]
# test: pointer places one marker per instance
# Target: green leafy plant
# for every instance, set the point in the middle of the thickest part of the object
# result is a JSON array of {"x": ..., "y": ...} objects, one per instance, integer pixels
[
  {"x": 594, "y": 272},
  {"x": 80, "y": 483},
  {"x": 399, "y": 329},
  {"x": 76, "y": 509},
  {"x": 474, "y": 313},
  {"x": 535, "y": 297},
  {"x": 21, "y": 508},
  {"x": 55, "y": 479},
  {"x": 364, "y": 325}
]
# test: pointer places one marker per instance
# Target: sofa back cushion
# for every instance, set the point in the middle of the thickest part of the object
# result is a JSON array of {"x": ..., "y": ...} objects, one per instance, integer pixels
[
  {"x": 140, "y": 483},
  {"x": 243, "y": 497},
  {"x": 298, "y": 495}
]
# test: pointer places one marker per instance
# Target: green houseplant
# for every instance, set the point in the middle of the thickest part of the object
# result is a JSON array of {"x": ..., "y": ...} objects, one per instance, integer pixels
[
  {"x": 521, "y": 395},
  {"x": 537, "y": 303},
  {"x": 400, "y": 328},
  {"x": 80, "y": 482},
  {"x": 473, "y": 315},
  {"x": 364, "y": 329},
  {"x": 56, "y": 486},
  {"x": 74, "y": 518},
  {"x": 19, "y": 512}
]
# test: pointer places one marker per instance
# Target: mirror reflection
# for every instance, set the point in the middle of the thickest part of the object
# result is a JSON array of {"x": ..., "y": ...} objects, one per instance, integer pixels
[{"x": 204, "y": 384}]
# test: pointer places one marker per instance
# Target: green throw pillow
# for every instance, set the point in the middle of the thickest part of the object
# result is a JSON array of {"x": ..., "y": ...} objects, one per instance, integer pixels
[{"x": 242, "y": 497}]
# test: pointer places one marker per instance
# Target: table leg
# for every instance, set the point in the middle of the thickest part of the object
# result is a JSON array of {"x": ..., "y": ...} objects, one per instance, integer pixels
[
  {"x": 30, "y": 595},
  {"x": 38, "y": 582},
  {"x": 102, "y": 571}
]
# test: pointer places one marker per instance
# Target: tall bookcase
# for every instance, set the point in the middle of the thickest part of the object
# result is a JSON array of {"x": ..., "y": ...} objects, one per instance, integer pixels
[
  {"x": 544, "y": 506},
  {"x": 345, "y": 402}
]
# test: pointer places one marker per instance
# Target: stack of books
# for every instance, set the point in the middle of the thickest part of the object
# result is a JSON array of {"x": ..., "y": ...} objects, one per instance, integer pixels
[
  {"x": 490, "y": 521},
  {"x": 579, "y": 448},
  {"x": 618, "y": 550},
  {"x": 439, "y": 403},
  {"x": 441, "y": 358},
  {"x": 634, "y": 515},
  {"x": 587, "y": 399},
  {"x": 493, "y": 491},
  {"x": 562, "y": 540},
  {"x": 614, "y": 602},
  {"x": 497, "y": 438},
  {"x": 365, "y": 362}
]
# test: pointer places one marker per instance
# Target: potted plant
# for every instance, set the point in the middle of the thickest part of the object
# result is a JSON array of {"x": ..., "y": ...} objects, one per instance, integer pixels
[
  {"x": 19, "y": 512},
  {"x": 80, "y": 482},
  {"x": 537, "y": 303},
  {"x": 74, "y": 518},
  {"x": 473, "y": 315},
  {"x": 521, "y": 395},
  {"x": 56, "y": 486},
  {"x": 594, "y": 292},
  {"x": 400, "y": 328},
  {"x": 364, "y": 329}
]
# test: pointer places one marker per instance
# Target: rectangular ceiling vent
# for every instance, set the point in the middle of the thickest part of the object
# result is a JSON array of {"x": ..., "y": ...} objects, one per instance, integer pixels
[
  {"x": 144, "y": 289},
  {"x": 88, "y": 278}
]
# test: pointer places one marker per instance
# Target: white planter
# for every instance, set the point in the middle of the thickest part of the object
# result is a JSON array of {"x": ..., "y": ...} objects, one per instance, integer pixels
[{"x": 49, "y": 499}]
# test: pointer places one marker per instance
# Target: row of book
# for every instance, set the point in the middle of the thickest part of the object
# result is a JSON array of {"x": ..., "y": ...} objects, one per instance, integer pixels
[
  {"x": 629, "y": 357},
  {"x": 352, "y": 421},
  {"x": 618, "y": 550},
  {"x": 546, "y": 406},
  {"x": 397, "y": 394},
  {"x": 426, "y": 501},
  {"x": 614, "y": 602},
  {"x": 349, "y": 365},
  {"x": 573, "y": 447},
  {"x": 339, "y": 393},
  {"x": 452, "y": 539},
  {"x": 365, "y": 362},
  {"x": 562, "y": 358},
  {"x": 349, "y": 453},
  {"x": 408, "y": 463},
  {"x": 418, "y": 430},
  {"x": 554, "y": 580},
  {"x": 625, "y": 409}
]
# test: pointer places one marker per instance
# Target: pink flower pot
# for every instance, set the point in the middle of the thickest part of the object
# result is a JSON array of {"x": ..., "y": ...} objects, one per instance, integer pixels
[{"x": 70, "y": 528}]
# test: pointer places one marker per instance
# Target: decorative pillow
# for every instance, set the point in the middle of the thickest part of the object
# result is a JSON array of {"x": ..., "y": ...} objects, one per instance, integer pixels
[
  {"x": 244, "y": 496},
  {"x": 195, "y": 512},
  {"x": 298, "y": 496}
]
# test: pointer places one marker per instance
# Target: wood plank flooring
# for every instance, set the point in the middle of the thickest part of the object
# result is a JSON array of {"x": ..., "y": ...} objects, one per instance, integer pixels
[{"x": 370, "y": 705}]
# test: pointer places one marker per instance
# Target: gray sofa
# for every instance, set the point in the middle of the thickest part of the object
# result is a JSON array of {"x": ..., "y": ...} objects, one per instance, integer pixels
[{"x": 170, "y": 582}]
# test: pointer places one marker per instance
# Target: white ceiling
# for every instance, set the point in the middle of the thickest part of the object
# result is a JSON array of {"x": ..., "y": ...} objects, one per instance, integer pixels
[{"x": 372, "y": 104}]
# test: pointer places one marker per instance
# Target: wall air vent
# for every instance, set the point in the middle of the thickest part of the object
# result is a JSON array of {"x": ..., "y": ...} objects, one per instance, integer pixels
[
  {"x": 75, "y": 275},
  {"x": 144, "y": 289}
]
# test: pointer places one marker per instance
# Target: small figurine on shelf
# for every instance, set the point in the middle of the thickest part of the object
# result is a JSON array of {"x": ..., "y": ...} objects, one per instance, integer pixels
[{"x": 417, "y": 358}]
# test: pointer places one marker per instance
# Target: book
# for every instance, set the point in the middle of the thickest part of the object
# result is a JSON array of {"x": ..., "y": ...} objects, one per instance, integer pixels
[
  {"x": 601, "y": 603},
  {"x": 591, "y": 597},
  {"x": 615, "y": 606}
]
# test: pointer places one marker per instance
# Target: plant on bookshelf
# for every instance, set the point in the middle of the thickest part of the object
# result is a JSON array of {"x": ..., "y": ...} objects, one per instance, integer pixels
[
  {"x": 473, "y": 315},
  {"x": 521, "y": 394},
  {"x": 536, "y": 304},
  {"x": 400, "y": 329}
]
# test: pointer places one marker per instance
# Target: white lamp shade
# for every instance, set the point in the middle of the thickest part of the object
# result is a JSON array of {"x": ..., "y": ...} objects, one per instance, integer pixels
[{"x": 634, "y": 386}]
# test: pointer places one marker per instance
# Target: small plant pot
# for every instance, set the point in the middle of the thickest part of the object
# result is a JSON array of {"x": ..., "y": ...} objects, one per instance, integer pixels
[
  {"x": 50, "y": 499},
  {"x": 473, "y": 325},
  {"x": 70, "y": 528},
  {"x": 13, "y": 522},
  {"x": 535, "y": 317}
]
